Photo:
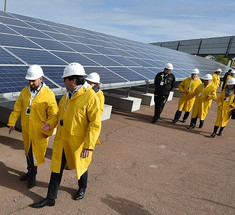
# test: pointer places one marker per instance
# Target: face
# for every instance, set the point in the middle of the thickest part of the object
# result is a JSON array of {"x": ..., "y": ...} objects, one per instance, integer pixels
[
  {"x": 167, "y": 71},
  {"x": 206, "y": 82},
  {"x": 91, "y": 83},
  {"x": 231, "y": 87},
  {"x": 34, "y": 84},
  {"x": 193, "y": 76}
]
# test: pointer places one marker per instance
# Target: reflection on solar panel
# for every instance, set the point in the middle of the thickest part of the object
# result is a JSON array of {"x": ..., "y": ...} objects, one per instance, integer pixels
[{"x": 120, "y": 62}]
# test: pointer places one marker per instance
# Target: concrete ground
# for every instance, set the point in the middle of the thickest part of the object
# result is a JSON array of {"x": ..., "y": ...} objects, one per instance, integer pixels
[{"x": 140, "y": 169}]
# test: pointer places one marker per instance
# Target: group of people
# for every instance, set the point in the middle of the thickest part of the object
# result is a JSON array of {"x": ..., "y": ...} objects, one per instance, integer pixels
[
  {"x": 196, "y": 95},
  {"x": 77, "y": 119}
]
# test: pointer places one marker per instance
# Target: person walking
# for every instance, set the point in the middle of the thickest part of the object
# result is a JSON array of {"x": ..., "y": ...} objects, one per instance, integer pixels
[
  {"x": 205, "y": 93},
  {"x": 225, "y": 78},
  {"x": 225, "y": 103},
  {"x": 77, "y": 133},
  {"x": 232, "y": 75},
  {"x": 187, "y": 96},
  {"x": 164, "y": 83},
  {"x": 216, "y": 77},
  {"x": 37, "y": 108}
]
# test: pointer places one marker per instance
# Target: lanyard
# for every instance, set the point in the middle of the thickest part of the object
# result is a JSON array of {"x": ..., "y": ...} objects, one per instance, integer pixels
[{"x": 33, "y": 95}]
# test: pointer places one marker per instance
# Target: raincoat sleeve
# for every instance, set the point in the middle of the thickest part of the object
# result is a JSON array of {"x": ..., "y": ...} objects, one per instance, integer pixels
[
  {"x": 15, "y": 114},
  {"x": 94, "y": 125},
  {"x": 181, "y": 86},
  {"x": 100, "y": 95},
  {"x": 52, "y": 110},
  {"x": 220, "y": 99},
  {"x": 212, "y": 95}
]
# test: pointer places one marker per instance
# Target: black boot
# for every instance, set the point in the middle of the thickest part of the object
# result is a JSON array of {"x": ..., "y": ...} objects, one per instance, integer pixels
[
  {"x": 220, "y": 131},
  {"x": 186, "y": 114},
  {"x": 192, "y": 123},
  {"x": 177, "y": 116},
  {"x": 201, "y": 123},
  {"x": 214, "y": 131}
]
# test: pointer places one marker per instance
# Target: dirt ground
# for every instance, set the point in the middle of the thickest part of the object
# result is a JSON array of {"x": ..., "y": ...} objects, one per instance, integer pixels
[{"x": 140, "y": 169}]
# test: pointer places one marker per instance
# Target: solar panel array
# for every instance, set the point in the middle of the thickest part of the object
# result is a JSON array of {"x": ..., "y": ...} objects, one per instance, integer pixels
[{"x": 120, "y": 62}]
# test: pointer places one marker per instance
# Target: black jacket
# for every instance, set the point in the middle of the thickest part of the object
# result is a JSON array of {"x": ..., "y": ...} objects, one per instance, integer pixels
[{"x": 164, "y": 83}]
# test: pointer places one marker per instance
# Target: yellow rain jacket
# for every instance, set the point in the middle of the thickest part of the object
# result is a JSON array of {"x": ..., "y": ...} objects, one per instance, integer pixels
[
  {"x": 100, "y": 95},
  {"x": 202, "y": 104},
  {"x": 216, "y": 79},
  {"x": 81, "y": 128},
  {"x": 186, "y": 101},
  {"x": 225, "y": 105},
  {"x": 43, "y": 108}
]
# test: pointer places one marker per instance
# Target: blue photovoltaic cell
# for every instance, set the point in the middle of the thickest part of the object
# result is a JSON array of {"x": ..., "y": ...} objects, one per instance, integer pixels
[
  {"x": 141, "y": 62},
  {"x": 102, "y": 60},
  {"x": 124, "y": 61},
  {"x": 126, "y": 73},
  {"x": 107, "y": 76},
  {"x": 30, "y": 32},
  {"x": 11, "y": 40},
  {"x": 40, "y": 57},
  {"x": 50, "y": 44},
  {"x": 122, "y": 53},
  {"x": 103, "y": 50},
  {"x": 85, "y": 40},
  {"x": 6, "y": 30},
  {"x": 145, "y": 72},
  {"x": 25, "y": 18},
  {"x": 4, "y": 14},
  {"x": 54, "y": 73},
  {"x": 7, "y": 58},
  {"x": 60, "y": 37},
  {"x": 75, "y": 57},
  {"x": 12, "y": 22},
  {"x": 41, "y": 27},
  {"x": 80, "y": 47}
]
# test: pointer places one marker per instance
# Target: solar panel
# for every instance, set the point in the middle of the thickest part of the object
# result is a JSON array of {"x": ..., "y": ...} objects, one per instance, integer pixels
[{"x": 120, "y": 62}]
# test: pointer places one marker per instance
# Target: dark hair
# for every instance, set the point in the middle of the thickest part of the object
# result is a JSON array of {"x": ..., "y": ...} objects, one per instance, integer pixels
[{"x": 79, "y": 79}]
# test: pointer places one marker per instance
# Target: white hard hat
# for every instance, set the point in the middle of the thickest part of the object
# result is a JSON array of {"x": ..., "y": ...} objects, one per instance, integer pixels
[
  {"x": 233, "y": 71},
  {"x": 219, "y": 70},
  {"x": 73, "y": 69},
  {"x": 231, "y": 81},
  {"x": 207, "y": 77},
  {"x": 169, "y": 66},
  {"x": 195, "y": 71},
  {"x": 93, "y": 77},
  {"x": 34, "y": 72}
]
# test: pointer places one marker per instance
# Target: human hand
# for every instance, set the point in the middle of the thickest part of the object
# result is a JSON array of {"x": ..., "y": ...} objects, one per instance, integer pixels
[
  {"x": 46, "y": 126},
  {"x": 85, "y": 153},
  {"x": 11, "y": 128}
]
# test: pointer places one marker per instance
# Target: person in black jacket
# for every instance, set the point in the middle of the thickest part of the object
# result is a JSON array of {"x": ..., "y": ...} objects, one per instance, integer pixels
[
  {"x": 225, "y": 78},
  {"x": 164, "y": 83}
]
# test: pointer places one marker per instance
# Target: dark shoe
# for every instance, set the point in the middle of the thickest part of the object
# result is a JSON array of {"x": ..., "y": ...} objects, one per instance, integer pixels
[
  {"x": 80, "y": 194},
  {"x": 219, "y": 134},
  {"x": 24, "y": 177},
  {"x": 201, "y": 125},
  {"x": 43, "y": 203},
  {"x": 154, "y": 120},
  {"x": 191, "y": 127},
  {"x": 31, "y": 182},
  {"x": 213, "y": 135},
  {"x": 183, "y": 121},
  {"x": 174, "y": 120}
]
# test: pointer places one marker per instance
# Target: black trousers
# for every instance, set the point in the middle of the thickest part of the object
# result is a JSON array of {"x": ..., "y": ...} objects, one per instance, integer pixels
[
  {"x": 160, "y": 102},
  {"x": 32, "y": 170},
  {"x": 56, "y": 179}
]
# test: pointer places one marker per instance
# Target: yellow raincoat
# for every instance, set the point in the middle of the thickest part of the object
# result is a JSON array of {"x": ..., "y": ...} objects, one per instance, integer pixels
[
  {"x": 43, "y": 108},
  {"x": 186, "y": 101},
  {"x": 100, "y": 95},
  {"x": 224, "y": 109},
  {"x": 202, "y": 104},
  {"x": 81, "y": 129},
  {"x": 216, "y": 79}
]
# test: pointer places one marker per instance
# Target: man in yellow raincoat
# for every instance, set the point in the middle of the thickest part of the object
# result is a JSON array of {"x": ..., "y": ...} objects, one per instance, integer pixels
[
  {"x": 205, "y": 93},
  {"x": 216, "y": 77},
  {"x": 226, "y": 103},
  {"x": 187, "y": 97},
  {"x": 232, "y": 75},
  {"x": 77, "y": 133},
  {"x": 37, "y": 108}
]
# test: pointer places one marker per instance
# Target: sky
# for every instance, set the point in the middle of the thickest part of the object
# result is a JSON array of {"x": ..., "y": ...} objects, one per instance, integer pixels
[{"x": 139, "y": 20}]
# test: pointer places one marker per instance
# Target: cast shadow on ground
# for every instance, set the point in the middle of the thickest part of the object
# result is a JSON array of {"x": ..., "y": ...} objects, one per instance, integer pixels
[
  {"x": 164, "y": 122},
  {"x": 10, "y": 179},
  {"x": 124, "y": 206},
  {"x": 19, "y": 145}
]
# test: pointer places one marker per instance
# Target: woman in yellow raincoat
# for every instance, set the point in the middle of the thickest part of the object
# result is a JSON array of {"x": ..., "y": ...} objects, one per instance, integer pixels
[
  {"x": 37, "y": 108},
  {"x": 187, "y": 96},
  {"x": 226, "y": 103},
  {"x": 77, "y": 133},
  {"x": 205, "y": 93},
  {"x": 216, "y": 77},
  {"x": 232, "y": 75}
]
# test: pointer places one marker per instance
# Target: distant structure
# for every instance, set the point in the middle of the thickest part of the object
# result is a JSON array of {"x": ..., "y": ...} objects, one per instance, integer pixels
[{"x": 203, "y": 47}]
